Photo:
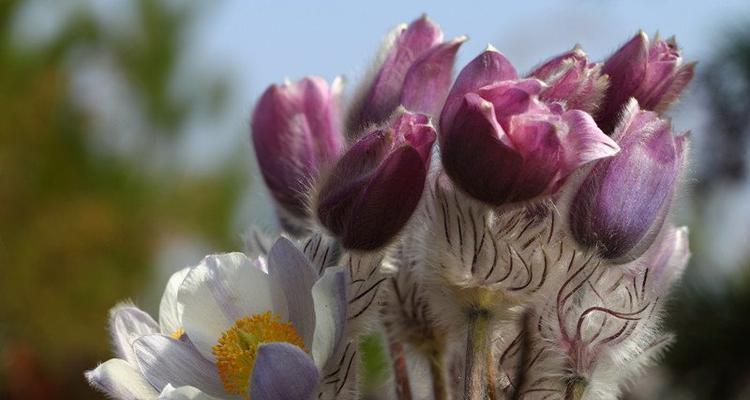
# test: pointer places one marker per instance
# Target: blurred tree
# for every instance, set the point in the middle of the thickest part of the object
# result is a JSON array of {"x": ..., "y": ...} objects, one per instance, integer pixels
[
  {"x": 711, "y": 357},
  {"x": 725, "y": 82},
  {"x": 80, "y": 226}
]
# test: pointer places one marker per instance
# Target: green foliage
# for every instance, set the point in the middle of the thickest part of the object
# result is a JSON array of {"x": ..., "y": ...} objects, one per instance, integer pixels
[{"x": 80, "y": 227}]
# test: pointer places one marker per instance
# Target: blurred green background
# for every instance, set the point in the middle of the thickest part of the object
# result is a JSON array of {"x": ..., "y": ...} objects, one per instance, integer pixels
[{"x": 109, "y": 179}]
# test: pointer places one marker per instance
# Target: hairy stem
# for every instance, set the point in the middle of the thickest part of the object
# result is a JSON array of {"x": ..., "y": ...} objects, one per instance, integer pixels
[
  {"x": 400, "y": 371},
  {"x": 477, "y": 350},
  {"x": 574, "y": 389},
  {"x": 437, "y": 370}
]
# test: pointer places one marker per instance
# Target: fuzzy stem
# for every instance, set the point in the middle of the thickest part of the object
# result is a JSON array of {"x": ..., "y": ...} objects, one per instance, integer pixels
[
  {"x": 477, "y": 349},
  {"x": 400, "y": 371},
  {"x": 574, "y": 389},
  {"x": 437, "y": 370}
]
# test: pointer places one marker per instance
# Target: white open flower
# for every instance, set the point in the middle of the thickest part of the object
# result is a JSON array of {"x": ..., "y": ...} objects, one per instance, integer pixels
[{"x": 230, "y": 327}]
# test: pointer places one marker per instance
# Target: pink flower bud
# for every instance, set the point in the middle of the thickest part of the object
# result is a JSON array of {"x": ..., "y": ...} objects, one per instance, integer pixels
[
  {"x": 415, "y": 73},
  {"x": 501, "y": 144},
  {"x": 652, "y": 73},
  {"x": 622, "y": 203},
  {"x": 295, "y": 129},
  {"x": 372, "y": 191},
  {"x": 572, "y": 80}
]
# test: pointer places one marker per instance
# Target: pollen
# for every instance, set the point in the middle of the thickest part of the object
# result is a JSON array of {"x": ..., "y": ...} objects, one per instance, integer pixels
[
  {"x": 177, "y": 334},
  {"x": 237, "y": 348}
]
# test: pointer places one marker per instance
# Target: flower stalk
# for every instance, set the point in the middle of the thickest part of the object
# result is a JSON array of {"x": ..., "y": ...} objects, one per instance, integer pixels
[{"x": 477, "y": 353}]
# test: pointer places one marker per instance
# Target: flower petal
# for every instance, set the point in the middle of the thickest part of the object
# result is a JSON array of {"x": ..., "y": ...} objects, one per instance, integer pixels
[
  {"x": 170, "y": 311},
  {"x": 584, "y": 142},
  {"x": 476, "y": 155},
  {"x": 487, "y": 68},
  {"x": 121, "y": 380},
  {"x": 329, "y": 296},
  {"x": 283, "y": 372},
  {"x": 428, "y": 80},
  {"x": 126, "y": 324},
  {"x": 183, "y": 393},
  {"x": 164, "y": 360},
  {"x": 383, "y": 95},
  {"x": 220, "y": 290},
  {"x": 292, "y": 279}
]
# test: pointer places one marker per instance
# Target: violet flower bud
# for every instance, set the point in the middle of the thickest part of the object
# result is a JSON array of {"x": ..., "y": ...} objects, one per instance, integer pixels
[
  {"x": 415, "y": 72},
  {"x": 500, "y": 144},
  {"x": 652, "y": 73},
  {"x": 623, "y": 202},
  {"x": 295, "y": 130},
  {"x": 572, "y": 80},
  {"x": 373, "y": 190}
]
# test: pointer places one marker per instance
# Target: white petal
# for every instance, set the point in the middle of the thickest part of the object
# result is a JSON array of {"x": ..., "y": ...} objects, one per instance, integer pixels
[
  {"x": 183, "y": 393},
  {"x": 329, "y": 298},
  {"x": 220, "y": 290},
  {"x": 164, "y": 361},
  {"x": 126, "y": 324},
  {"x": 121, "y": 381},
  {"x": 292, "y": 279},
  {"x": 170, "y": 311}
]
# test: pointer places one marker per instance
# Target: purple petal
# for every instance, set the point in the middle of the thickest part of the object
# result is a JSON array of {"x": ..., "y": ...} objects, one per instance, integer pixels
[
  {"x": 538, "y": 143},
  {"x": 584, "y": 142},
  {"x": 283, "y": 372},
  {"x": 164, "y": 360},
  {"x": 329, "y": 297},
  {"x": 292, "y": 279},
  {"x": 126, "y": 324},
  {"x": 555, "y": 64},
  {"x": 626, "y": 69},
  {"x": 295, "y": 129},
  {"x": 677, "y": 85},
  {"x": 487, "y": 68},
  {"x": 428, "y": 80},
  {"x": 348, "y": 178},
  {"x": 668, "y": 259},
  {"x": 624, "y": 199},
  {"x": 475, "y": 157},
  {"x": 377, "y": 218},
  {"x": 383, "y": 96},
  {"x": 512, "y": 97}
]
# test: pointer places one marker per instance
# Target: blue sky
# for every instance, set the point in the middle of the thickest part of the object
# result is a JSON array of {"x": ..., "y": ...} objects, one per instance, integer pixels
[{"x": 266, "y": 41}]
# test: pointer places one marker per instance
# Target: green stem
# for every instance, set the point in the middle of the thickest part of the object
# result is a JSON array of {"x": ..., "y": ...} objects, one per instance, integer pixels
[{"x": 477, "y": 350}]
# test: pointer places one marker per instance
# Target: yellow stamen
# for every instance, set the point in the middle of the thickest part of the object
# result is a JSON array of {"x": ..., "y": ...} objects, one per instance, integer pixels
[
  {"x": 178, "y": 333},
  {"x": 238, "y": 346}
]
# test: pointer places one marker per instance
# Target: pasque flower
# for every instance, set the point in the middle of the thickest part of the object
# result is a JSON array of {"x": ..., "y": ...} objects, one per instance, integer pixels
[
  {"x": 230, "y": 326},
  {"x": 572, "y": 80},
  {"x": 295, "y": 130},
  {"x": 415, "y": 72},
  {"x": 652, "y": 72},
  {"x": 372, "y": 191},
  {"x": 622, "y": 203},
  {"x": 500, "y": 143}
]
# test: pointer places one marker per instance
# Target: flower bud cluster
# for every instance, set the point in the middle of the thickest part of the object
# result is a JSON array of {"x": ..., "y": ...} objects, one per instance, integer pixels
[{"x": 511, "y": 231}]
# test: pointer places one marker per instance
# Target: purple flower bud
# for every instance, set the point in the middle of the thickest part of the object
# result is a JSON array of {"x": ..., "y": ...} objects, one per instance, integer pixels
[
  {"x": 623, "y": 202},
  {"x": 372, "y": 191},
  {"x": 667, "y": 258},
  {"x": 295, "y": 130},
  {"x": 415, "y": 73},
  {"x": 500, "y": 144},
  {"x": 653, "y": 74},
  {"x": 571, "y": 79}
]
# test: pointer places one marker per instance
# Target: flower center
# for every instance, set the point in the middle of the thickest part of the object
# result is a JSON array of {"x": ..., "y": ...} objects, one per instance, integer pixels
[
  {"x": 177, "y": 334},
  {"x": 238, "y": 346}
]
